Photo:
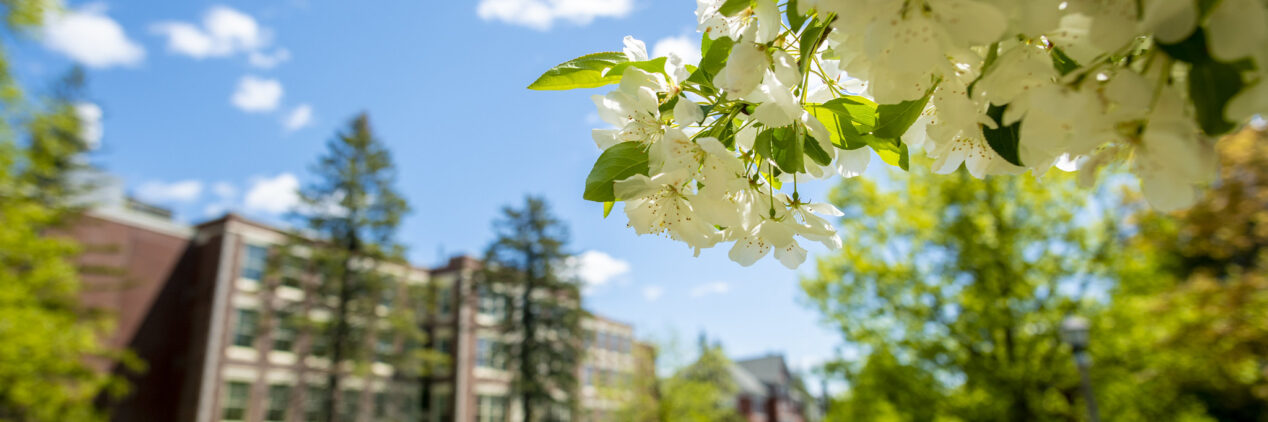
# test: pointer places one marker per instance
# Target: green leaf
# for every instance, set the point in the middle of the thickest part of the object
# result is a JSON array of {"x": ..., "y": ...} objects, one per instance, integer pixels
[
  {"x": 714, "y": 55},
  {"x": 1191, "y": 50},
  {"x": 893, "y": 120},
  {"x": 849, "y": 119},
  {"x": 583, "y": 72},
  {"x": 607, "y": 208},
  {"x": 795, "y": 20},
  {"x": 762, "y": 143},
  {"x": 1062, "y": 62},
  {"x": 1211, "y": 85},
  {"x": 618, "y": 162},
  {"x": 815, "y": 152},
  {"x": 896, "y": 157},
  {"x": 788, "y": 150},
  {"x": 656, "y": 65},
  {"x": 731, "y": 7},
  {"x": 810, "y": 41},
  {"x": 1003, "y": 139}
]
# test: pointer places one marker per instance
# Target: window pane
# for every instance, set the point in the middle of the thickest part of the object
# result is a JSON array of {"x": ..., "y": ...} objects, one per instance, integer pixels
[
  {"x": 244, "y": 329},
  {"x": 253, "y": 262},
  {"x": 284, "y": 332},
  {"x": 349, "y": 409},
  {"x": 278, "y": 396},
  {"x": 235, "y": 401},
  {"x": 315, "y": 404},
  {"x": 293, "y": 269}
]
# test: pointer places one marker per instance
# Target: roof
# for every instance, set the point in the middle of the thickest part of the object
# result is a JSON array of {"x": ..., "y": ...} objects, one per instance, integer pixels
[
  {"x": 768, "y": 369},
  {"x": 747, "y": 383}
]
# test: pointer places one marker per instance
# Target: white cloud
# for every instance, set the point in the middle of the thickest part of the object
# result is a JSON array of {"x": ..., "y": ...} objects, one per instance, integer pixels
[
  {"x": 162, "y": 192},
  {"x": 226, "y": 196},
  {"x": 224, "y": 190},
  {"x": 596, "y": 268},
  {"x": 542, "y": 14},
  {"x": 274, "y": 195},
  {"x": 714, "y": 288},
  {"x": 298, "y": 118},
  {"x": 257, "y": 94},
  {"x": 681, "y": 46},
  {"x": 268, "y": 60},
  {"x": 88, "y": 36},
  {"x": 652, "y": 293},
  {"x": 224, "y": 32},
  {"x": 90, "y": 123}
]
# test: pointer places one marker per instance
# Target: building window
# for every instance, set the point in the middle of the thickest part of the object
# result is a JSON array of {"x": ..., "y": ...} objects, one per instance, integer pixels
[
  {"x": 278, "y": 396},
  {"x": 235, "y": 406},
  {"x": 284, "y": 331},
  {"x": 491, "y": 409},
  {"x": 292, "y": 271},
  {"x": 441, "y": 410},
  {"x": 380, "y": 405},
  {"x": 408, "y": 405},
  {"x": 245, "y": 327},
  {"x": 253, "y": 262},
  {"x": 315, "y": 404},
  {"x": 383, "y": 347},
  {"x": 489, "y": 354},
  {"x": 602, "y": 340},
  {"x": 587, "y": 376},
  {"x": 491, "y": 304},
  {"x": 387, "y": 292},
  {"x": 444, "y": 300},
  {"x": 349, "y": 408}
]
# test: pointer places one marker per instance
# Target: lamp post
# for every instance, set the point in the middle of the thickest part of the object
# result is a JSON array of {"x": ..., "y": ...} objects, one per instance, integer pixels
[{"x": 1074, "y": 330}]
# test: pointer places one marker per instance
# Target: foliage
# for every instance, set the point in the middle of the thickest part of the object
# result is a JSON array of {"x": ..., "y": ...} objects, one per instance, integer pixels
[
  {"x": 541, "y": 327},
  {"x": 702, "y": 390},
  {"x": 793, "y": 90},
  {"x": 52, "y": 348},
  {"x": 353, "y": 210},
  {"x": 1188, "y": 322},
  {"x": 955, "y": 303}
]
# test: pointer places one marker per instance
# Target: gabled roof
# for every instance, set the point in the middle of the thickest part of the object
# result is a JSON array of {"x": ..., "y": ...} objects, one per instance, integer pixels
[
  {"x": 747, "y": 383},
  {"x": 768, "y": 369}
]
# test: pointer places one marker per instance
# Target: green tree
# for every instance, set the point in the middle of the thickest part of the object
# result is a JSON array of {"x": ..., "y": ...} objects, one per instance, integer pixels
[
  {"x": 704, "y": 390},
  {"x": 353, "y": 210},
  {"x": 524, "y": 269},
  {"x": 642, "y": 394},
  {"x": 960, "y": 295},
  {"x": 1186, "y": 336},
  {"x": 47, "y": 338}
]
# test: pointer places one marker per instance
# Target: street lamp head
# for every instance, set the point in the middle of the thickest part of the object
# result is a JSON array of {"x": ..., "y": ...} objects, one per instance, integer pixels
[{"x": 1074, "y": 330}]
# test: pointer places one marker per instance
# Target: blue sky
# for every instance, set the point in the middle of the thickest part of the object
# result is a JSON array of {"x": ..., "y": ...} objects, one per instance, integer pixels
[{"x": 213, "y": 106}]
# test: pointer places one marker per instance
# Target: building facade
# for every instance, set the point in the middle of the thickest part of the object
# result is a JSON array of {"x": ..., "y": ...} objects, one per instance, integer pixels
[
  {"x": 194, "y": 305},
  {"x": 769, "y": 392}
]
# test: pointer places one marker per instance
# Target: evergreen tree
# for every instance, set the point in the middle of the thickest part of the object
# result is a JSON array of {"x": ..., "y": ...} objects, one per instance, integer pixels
[
  {"x": 353, "y": 211},
  {"x": 523, "y": 267}
]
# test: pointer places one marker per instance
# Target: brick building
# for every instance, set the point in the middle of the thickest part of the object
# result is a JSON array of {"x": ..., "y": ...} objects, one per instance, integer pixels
[
  {"x": 769, "y": 392},
  {"x": 192, "y": 306}
]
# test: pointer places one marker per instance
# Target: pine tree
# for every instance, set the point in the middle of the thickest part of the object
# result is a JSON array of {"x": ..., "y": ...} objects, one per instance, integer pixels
[
  {"x": 524, "y": 267},
  {"x": 353, "y": 211}
]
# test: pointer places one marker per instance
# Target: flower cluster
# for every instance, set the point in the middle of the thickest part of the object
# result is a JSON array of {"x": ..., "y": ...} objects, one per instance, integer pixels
[{"x": 708, "y": 152}]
